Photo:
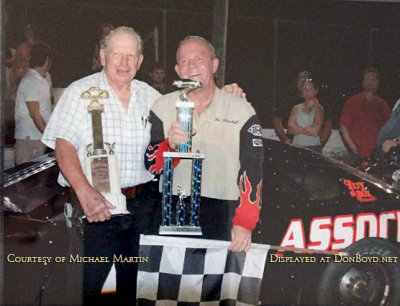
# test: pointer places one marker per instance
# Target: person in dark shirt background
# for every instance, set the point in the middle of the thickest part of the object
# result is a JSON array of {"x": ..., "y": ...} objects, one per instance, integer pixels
[{"x": 157, "y": 79}]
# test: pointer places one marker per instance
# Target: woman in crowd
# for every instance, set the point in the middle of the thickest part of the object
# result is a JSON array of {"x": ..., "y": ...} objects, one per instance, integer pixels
[{"x": 306, "y": 118}]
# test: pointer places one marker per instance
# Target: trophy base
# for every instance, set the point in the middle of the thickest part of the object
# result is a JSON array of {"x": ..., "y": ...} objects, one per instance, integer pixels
[
  {"x": 183, "y": 155},
  {"x": 119, "y": 201},
  {"x": 180, "y": 230}
]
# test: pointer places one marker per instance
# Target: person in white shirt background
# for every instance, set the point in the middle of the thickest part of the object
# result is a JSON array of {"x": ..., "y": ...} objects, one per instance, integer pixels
[{"x": 33, "y": 105}]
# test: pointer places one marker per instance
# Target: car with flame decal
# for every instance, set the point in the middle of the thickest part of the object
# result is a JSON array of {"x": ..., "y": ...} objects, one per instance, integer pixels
[{"x": 334, "y": 232}]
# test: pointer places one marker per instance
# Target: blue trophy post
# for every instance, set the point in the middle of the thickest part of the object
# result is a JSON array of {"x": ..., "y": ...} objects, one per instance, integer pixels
[{"x": 182, "y": 218}]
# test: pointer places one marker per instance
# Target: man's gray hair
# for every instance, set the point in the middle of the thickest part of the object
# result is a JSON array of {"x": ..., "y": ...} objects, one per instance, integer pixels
[
  {"x": 200, "y": 39},
  {"x": 124, "y": 30}
]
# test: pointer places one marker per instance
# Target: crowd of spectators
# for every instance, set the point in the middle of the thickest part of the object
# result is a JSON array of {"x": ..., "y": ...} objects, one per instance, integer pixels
[
  {"x": 302, "y": 118},
  {"x": 367, "y": 128}
]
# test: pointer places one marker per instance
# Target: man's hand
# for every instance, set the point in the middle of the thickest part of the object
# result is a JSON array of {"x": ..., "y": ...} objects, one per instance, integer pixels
[
  {"x": 235, "y": 90},
  {"x": 287, "y": 141},
  {"x": 346, "y": 136},
  {"x": 95, "y": 207},
  {"x": 388, "y": 144},
  {"x": 176, "y": 135},
  {"x": 241, "y": 239}
]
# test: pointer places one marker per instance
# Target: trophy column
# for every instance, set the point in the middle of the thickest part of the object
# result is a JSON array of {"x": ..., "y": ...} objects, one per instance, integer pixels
[{"x": 183, "y": 218}]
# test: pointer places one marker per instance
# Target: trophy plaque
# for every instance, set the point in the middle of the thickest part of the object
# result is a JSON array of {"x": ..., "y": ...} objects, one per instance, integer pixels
[
  {"x": 182, "y": 217},
  {"x": 102, "y": 167}
]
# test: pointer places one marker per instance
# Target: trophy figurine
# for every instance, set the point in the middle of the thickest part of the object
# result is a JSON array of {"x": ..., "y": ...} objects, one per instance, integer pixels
[
  {"x": 102, "y": 167},
  {"x": 182, "y": 218}
]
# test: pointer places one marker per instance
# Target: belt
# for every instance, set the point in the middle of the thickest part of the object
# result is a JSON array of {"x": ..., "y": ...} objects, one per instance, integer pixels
[{"x": 132, "y": 192}]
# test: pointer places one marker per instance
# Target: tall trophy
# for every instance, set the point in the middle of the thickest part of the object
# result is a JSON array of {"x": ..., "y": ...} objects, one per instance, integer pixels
[
  {"x": 102, "y": 167},
  {"x": 182, "y": 217}
]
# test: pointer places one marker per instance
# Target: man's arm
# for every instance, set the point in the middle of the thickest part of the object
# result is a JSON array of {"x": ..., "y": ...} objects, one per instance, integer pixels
[
  {"x": 250, "y": 183},
  {"x": 235, "y": 90},
  {"x": 94, "y": 205},
  {"x": 347, "y": 138},
  {"x": 389, "y": 144},
  {"x": 345, "y": 120},
  {"x": 153, "y": 158},
  {"x": 34, "y": 112}
]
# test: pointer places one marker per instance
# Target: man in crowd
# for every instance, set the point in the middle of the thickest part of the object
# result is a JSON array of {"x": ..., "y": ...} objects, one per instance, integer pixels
[
  {"x": 227, "y": 131},
  {"x": 363, "y": 116},
  {"x": 33, "y": 105},
  {"x": 157, "y": 79},
  {"x": 285, "y": 105}
]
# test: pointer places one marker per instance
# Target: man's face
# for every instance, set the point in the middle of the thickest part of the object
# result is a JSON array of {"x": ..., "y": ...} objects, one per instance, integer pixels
[
  {"x": 195, "y": 63},
  {"x": 158, "y": 75},
  {"x": 370, "y": 82},
  {"x": 121, "y": 59}
]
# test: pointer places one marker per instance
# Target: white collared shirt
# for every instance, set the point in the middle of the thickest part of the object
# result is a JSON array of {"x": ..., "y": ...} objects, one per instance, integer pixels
[{"x": 127, "y": 128}]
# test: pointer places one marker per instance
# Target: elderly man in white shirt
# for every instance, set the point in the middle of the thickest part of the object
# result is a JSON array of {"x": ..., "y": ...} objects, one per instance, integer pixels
[
  {"x": 33, "y": 106},
  {"x": 69, "y": 132}
]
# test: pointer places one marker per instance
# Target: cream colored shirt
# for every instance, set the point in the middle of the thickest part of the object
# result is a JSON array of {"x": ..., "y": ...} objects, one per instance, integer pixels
[{"x": 217, "y": 137}]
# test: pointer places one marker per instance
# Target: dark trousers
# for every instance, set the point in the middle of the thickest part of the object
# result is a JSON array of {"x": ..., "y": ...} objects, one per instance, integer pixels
[
  {"x": 216, "y": 218},
  {"x": 112, "y": 238}
]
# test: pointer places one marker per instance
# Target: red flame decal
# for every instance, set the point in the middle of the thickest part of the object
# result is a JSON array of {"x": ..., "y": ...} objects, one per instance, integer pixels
[
  {"x": 155, "y": 154},
  {"x": 248, "y": 211}
]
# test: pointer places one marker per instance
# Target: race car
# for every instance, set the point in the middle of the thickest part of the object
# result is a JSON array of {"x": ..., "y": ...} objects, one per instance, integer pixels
[
  {"x": 325, "y": 208},
  {"x": 334, "y": 232}
]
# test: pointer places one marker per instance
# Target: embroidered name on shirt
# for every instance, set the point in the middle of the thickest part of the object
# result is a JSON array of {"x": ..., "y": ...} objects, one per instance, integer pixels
[{"x": 227, "y": 120}]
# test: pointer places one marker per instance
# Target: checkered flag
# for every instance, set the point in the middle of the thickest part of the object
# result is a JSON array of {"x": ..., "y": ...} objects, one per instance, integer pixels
[{"x": 187, "y": 271}]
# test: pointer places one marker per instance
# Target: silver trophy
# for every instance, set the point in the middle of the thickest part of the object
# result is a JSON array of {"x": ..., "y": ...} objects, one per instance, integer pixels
[
  {"x": 102, "y": 167},
  {"x": 183, "y": 218}
]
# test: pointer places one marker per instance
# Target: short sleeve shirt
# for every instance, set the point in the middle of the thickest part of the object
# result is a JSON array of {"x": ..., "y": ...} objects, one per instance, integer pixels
[
  {"x": 35, "y": 88},
  {"x": 128, "y": 128},
  {"x": 364, "y": 120}
]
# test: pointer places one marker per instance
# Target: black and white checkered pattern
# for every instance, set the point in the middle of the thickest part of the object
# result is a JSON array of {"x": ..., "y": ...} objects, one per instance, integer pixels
[{"x": 183, "y": 271}]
